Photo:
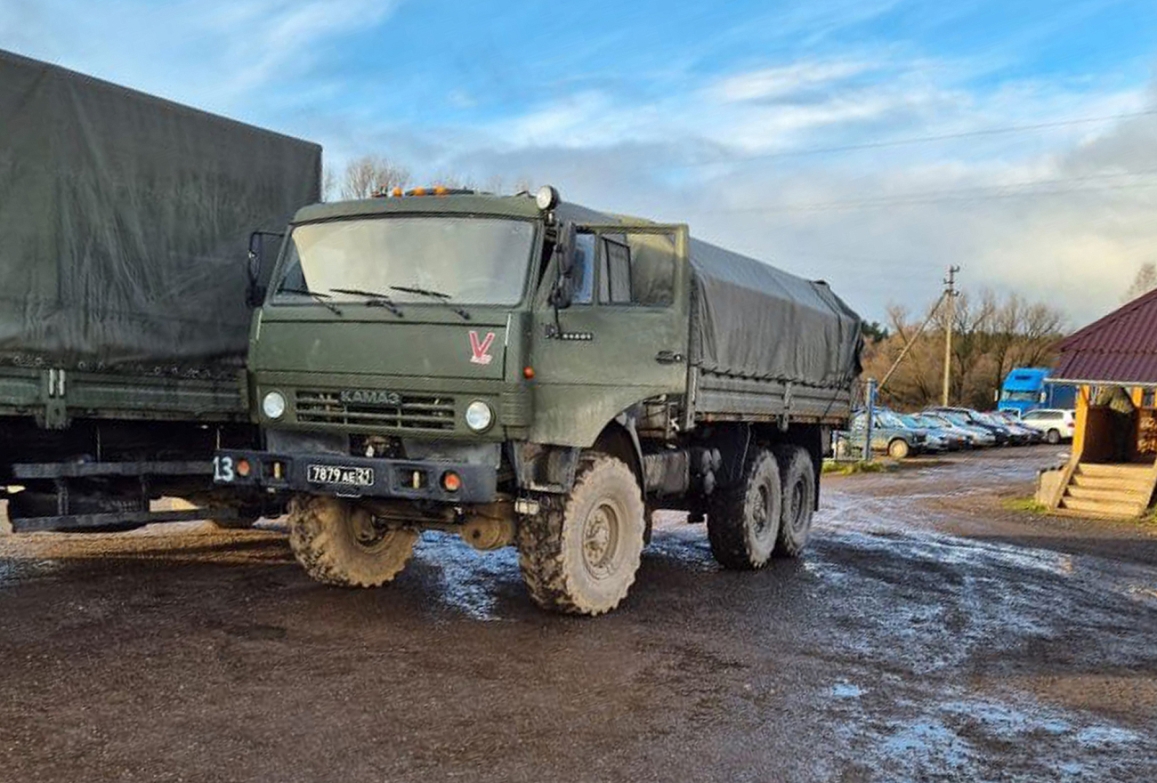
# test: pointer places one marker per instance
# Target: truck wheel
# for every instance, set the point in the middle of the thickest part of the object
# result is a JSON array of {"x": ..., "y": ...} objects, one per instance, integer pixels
[
  {"x": 338, "y": 543},
  {"x": 799, "y": 500},
  {"x": 580, "y": 556},
  {"x": 899, "y": 449},
  {"x": 743, "y": 521},
  {"x": 1053, "y": 437}
]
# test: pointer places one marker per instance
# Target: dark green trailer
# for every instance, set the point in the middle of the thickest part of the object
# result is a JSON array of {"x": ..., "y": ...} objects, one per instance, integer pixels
[{"x": 125, "y": 293}]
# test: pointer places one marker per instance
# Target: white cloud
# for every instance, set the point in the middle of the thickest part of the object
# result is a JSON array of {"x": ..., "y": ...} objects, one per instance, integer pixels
[
  {"x": 213, "y": 54},
  {"x": 785, "y": 80}
]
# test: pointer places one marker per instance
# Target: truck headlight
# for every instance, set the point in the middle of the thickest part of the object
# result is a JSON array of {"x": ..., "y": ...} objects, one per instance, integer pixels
[
  {"x": 479, "y": 416},
  {"x": 273, "y": 405}
]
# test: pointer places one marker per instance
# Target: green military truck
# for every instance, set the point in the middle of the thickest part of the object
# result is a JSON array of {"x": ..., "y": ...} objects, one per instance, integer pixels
[
  {"x": 529, "y": 372},
  {"x": 124, "y": 317}
]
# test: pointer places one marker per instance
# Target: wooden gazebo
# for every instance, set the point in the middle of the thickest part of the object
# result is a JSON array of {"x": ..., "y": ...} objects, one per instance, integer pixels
[{"x": 1113, "y": 468}]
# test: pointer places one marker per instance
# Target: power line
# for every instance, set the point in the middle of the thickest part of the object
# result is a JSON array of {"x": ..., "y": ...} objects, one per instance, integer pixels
[
  {"x": 870, "y": 145},
  {"x": 1011, "y": 190}
]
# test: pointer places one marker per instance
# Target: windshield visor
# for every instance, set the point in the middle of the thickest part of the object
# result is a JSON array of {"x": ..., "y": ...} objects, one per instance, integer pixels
[{"x": 469, "y": 260}]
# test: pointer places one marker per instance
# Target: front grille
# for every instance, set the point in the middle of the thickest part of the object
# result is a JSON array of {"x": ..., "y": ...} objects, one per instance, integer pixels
[{"x": 415, "y": 411}]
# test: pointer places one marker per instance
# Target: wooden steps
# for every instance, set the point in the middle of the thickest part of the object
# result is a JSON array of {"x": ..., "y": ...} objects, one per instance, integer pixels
[{"x": 1109, "y": 491}]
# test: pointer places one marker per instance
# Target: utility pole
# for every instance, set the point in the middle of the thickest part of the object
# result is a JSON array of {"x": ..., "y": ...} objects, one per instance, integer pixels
[{"x": 950, "y": 294}]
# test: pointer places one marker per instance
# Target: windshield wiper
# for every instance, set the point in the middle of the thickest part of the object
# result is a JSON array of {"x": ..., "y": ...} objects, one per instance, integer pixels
[
  {"x": 441, "y": 297},
  {"x": 320, "y": 298},
  {"x": 374, "y": 299}
]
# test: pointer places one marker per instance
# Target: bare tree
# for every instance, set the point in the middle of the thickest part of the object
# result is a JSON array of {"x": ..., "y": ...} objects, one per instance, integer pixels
[
  {"x": 1144, "y": 282},
  {"x": 371, "y": 175},
  {"x": 991, "y": 336}
]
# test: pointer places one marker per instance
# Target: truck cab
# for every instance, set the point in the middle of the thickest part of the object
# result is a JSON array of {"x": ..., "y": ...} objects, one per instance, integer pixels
[
  {"x": 1029, "y": 388},
  {"x": 510, "y": 368}
]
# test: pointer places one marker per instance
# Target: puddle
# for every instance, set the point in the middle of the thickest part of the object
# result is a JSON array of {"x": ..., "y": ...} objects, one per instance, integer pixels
[
  {"x": 961, "y": 738},
  {"x": 468, "y": 580}
]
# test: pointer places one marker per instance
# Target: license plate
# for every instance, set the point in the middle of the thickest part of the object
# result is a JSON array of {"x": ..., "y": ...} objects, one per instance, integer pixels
[{"x": 340, "y": 474}]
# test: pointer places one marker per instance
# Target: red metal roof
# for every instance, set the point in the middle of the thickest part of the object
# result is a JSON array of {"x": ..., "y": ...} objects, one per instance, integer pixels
[{"x": 1119, "y": 348}]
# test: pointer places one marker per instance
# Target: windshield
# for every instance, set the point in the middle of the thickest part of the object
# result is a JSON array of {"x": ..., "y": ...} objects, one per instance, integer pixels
[
  {"x": 887, "y": 419},
  {"x": 464, "y": 259},
  {"x": 1019, "y": 396}
]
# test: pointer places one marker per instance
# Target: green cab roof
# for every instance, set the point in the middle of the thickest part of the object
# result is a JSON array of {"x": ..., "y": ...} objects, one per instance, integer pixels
[{"x": 522, "y": 207}]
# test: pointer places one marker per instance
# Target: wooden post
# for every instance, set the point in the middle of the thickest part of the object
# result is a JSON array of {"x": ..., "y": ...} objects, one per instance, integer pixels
[{"x": 1082, "y": 421}]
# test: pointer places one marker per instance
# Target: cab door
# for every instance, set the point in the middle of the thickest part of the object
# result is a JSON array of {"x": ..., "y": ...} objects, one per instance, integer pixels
[{"x": 624, "y": 337}]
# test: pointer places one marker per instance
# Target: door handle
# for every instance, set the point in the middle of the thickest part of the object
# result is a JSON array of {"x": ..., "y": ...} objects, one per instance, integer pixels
[{"x": 668, "y": 357}]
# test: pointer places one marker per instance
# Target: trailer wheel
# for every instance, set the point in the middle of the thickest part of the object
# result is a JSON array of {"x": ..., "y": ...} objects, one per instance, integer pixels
[
  {"x": 1053, "y": 437},
  {"x": 338, "y": 543},
  {"x": 743, "y": 520},
  {"x": 899, "y": 449},
  {"x": 799, "y": 500},
  {"x": 580, "y": 556}
]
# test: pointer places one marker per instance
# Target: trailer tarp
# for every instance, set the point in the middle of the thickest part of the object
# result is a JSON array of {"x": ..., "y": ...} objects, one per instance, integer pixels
[
  {"x": 124, "y": 220},
  {"x": 756, "y": 321}
]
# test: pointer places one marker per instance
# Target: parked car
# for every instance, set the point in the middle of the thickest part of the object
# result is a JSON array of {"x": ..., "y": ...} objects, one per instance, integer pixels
[
  {"x": 1017, "y": 436},
  {"x": 951, "y": 440},
  {"x": 975, "y": 437},
  {"x": 888, "y": 435},
  {"x": 1055, "y": 424},
  {"x": 1011, "y": 419},
  {"x": 971, "y": 418}
]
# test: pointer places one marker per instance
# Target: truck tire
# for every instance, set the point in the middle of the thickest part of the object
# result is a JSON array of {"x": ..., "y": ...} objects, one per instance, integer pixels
[
  {"x": 337, "y": 544},
  {"x": 580, "y": 555},
  {"x": 743, "y": 520},
  {"x": 799, "y": 500},
  {"x": 899, "y": 449},
  {"x": 1053, "y": 437}
]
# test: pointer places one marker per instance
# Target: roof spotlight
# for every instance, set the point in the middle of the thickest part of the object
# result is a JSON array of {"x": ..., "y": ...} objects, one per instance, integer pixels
[{"x": 546, "y": 198}]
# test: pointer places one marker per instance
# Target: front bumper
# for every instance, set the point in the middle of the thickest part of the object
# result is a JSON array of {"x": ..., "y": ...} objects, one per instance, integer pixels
[{"x": 335, "y": 474}]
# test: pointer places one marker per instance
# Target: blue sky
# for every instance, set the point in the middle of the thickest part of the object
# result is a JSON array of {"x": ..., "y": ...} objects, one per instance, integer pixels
[{"x": 771, "y": 128}]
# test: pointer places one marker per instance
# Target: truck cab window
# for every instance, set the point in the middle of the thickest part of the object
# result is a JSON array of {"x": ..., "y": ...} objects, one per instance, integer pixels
[
  {"x": 615, "y": 280},
  {"x": 584, "y": 269}
]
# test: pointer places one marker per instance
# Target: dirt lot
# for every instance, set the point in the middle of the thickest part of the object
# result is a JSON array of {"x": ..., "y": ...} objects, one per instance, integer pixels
[{"x": 928, "y": 634}]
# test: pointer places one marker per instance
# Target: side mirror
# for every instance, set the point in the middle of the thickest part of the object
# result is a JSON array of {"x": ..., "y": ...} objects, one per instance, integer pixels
[
  {"x": 562, "y": 294},
  {"x": 257, "y": 270}
]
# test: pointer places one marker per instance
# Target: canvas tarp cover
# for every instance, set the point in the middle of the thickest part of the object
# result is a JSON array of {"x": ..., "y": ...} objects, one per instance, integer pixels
[
  {"x": 124, "y": 221},
  {"x": 756, "y": 321}
]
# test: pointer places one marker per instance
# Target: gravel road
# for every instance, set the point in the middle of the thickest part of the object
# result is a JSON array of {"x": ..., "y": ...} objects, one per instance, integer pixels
[{"x": 929, "y": 633}]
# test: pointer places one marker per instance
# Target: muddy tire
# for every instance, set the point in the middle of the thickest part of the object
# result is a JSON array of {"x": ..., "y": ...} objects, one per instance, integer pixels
[
  {"x": 1053, "y": 437},
  {"x": 799, "y": 500},
  {"x": 743, "y": 521},
  {"x": 579, "y": 555},
  {"x": 338, "y": 544},
  {"x": 899, "y": 449}
]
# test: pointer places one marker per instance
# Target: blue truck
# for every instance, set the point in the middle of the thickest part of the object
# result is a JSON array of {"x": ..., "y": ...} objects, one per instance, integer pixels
[{"x": 1028, "y": 388}]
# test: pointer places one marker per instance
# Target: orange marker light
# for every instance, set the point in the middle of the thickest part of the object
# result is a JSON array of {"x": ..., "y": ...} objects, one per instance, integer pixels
[
  {"x": 440, "y": 191},
  {"x": 243, "y": 467},
  {"x": 528, "y": 373},
  {"x": 451, "y": 481},
  {"x": 396, "y": 192},
  {"x": 418, "y": 192}
]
